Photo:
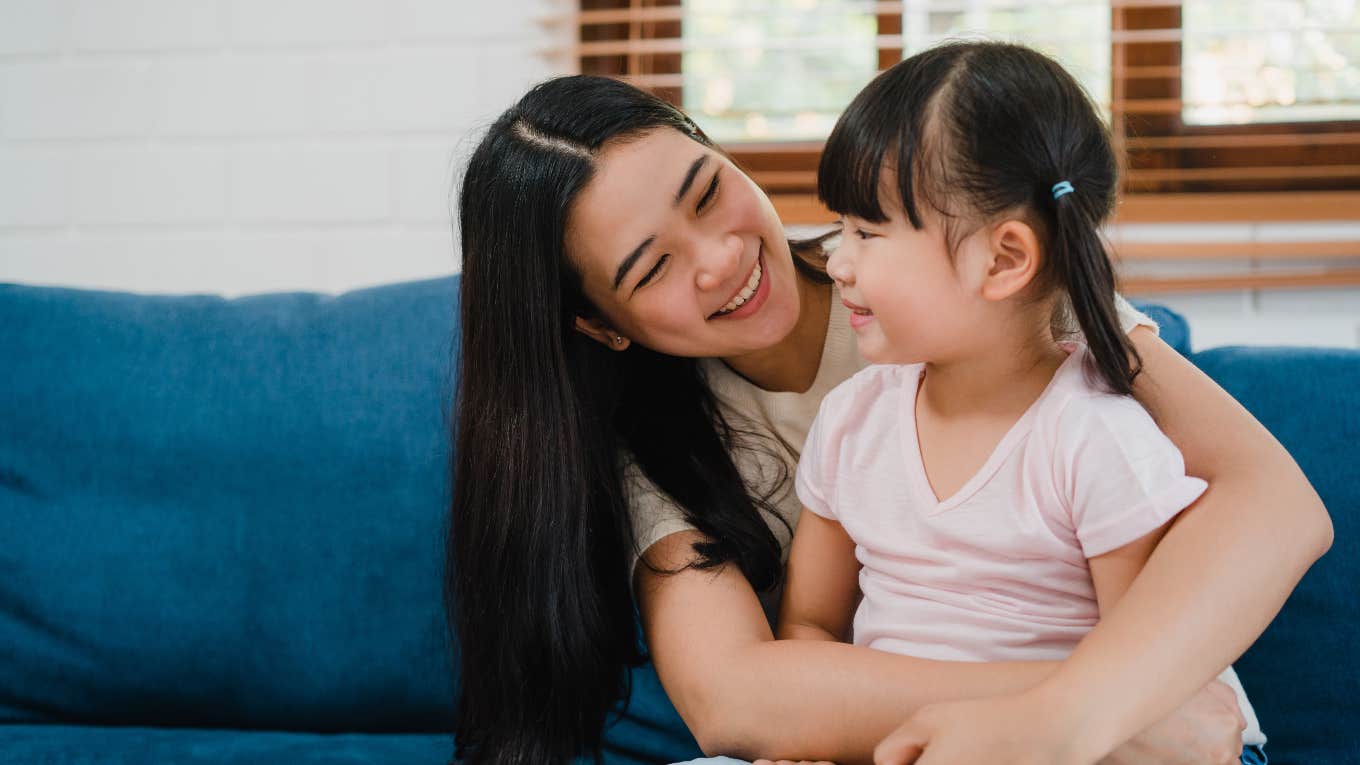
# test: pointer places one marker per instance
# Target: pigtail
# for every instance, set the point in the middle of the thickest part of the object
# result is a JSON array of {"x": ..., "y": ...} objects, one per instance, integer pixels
[{"x": 1081, "y": 265}]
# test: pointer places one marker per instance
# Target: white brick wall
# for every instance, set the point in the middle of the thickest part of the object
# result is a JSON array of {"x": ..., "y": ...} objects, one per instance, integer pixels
[{"x": 237, "y": 146}]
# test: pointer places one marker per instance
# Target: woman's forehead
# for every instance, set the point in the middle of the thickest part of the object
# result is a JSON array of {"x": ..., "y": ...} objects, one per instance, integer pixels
[
  {"x": 636, "y": 187},
  {"x": 654, "y": 161}
]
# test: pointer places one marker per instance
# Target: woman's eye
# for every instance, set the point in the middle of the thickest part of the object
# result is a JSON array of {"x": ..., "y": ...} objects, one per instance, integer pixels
[
  {"x": 709, "y": 194},
  {"x": 656, "y": 269}
]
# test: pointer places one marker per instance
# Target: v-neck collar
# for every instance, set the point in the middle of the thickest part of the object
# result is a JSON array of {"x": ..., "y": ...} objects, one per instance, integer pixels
[{"x": 911, "y": 441}]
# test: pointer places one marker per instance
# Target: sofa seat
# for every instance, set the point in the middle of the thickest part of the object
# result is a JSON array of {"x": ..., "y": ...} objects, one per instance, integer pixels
[{"x": 87, "y": 745}]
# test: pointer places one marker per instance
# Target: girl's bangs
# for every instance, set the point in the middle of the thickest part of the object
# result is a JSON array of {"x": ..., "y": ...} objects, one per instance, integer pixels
[{"x": 850, "y": 173}]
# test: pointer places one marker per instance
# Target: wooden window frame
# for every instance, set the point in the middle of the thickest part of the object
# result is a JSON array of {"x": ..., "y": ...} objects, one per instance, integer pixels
[{"x": 1183, "y": 173}]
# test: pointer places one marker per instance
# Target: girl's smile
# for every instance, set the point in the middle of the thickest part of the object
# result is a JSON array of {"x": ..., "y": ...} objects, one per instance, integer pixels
[{"x": 859, "y": 315}]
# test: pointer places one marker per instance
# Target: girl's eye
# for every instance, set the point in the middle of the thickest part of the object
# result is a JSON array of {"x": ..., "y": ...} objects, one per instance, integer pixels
[
  {"x": 709, "y": 194},
  {"x": 656, "y": 269},
  {"x": 862, "y": 234}
]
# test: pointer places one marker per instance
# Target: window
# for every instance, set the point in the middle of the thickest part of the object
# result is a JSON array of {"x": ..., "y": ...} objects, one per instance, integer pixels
[{"x": 1204, "y": 95}]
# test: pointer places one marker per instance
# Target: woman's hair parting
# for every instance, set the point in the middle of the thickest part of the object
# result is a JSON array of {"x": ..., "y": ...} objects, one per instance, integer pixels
[
  {"x": 538, "y": 591},
  {"x": 977, "y": 130}
]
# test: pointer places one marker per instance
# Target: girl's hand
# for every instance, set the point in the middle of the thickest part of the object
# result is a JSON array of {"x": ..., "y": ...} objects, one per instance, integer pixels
[
  {"x": 792, "y": 762},
  {"x": 1016, "y": 730}
]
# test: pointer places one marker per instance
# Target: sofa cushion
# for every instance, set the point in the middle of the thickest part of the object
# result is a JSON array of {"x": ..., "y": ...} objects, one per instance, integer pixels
[
  {"x": 225, "y": 513},
  {"x": 81, "y": 745},
  {"x": 99, "y": 745},
  {"x": 1303, "y": 675}
]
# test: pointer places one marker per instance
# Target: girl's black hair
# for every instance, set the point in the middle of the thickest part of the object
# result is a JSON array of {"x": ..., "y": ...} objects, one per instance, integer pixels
[
  {"x": 976, "y": 130},
  {"x": 538, "y": 591}
]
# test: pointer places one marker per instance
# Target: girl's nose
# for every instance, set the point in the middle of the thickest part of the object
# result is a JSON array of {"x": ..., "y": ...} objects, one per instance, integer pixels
[
  {"x": 839, "y": 267},
  {"x": 718, "y": 265}
]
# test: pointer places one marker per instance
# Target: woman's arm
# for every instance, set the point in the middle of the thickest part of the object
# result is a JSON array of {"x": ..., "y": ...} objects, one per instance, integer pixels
[
  {"x": 821, "y": 584},
  {"x": 1214, "y": 582},
  {"x": 744, "y": 694}
]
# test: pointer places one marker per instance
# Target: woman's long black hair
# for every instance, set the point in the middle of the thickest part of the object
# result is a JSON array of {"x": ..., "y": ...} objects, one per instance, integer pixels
[
  {"x": 537, "y": 586},
  {"x": 977, "y": 130}
]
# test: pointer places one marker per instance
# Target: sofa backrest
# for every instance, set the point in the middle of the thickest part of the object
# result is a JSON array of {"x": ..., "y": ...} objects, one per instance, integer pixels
[
  {"x": 229, "y": 513},
  {"x": 1303, "y": 674},
  {"x": 225, "y": 513}
]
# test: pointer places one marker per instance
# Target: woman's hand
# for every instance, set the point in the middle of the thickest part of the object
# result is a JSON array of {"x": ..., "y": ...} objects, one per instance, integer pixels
[
  {"x": 1206, "y": 729},
  {"x": 1022, "y": 730}
]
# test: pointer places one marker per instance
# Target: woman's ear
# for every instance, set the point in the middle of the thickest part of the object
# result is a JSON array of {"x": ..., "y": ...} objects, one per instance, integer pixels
[
  {"x": 1013, "y": 259},
  {"x": 601, "y": 333}
]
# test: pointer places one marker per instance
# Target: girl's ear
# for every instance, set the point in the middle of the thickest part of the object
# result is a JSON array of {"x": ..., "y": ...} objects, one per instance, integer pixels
[
  {"x": 601, "y": 333},
  {"x": 1013, "y": 259}
]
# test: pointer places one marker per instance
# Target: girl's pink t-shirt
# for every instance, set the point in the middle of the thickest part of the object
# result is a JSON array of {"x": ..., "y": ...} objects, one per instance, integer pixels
[{"x": 996, "y": 572}]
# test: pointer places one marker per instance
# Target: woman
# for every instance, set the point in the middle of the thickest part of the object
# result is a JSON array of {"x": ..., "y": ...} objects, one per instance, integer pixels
[{"x": 642, "y": 352}]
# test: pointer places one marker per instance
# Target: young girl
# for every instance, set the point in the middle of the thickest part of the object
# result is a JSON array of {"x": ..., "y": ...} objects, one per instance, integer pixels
[{"x": 989, "y": 488}]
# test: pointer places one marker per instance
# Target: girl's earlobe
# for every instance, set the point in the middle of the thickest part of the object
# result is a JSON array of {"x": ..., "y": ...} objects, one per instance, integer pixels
[{"x": 1014, "y": 260}]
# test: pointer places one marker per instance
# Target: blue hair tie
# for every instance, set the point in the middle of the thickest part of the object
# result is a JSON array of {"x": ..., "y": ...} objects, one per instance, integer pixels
[{"x": 1062, "y": 188}]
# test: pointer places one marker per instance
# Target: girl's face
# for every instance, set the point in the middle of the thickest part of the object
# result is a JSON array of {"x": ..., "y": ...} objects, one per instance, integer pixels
[
  {"x": 680, "y": 251},
  {"x": 910, "y": 300}
]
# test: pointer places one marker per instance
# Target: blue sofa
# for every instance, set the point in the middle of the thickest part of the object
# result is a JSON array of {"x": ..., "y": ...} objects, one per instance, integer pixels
[{"x": 221, "y": 524}]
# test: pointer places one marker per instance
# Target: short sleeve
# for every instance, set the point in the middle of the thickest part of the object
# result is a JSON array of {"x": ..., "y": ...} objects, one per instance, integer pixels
[
  {"x": 653, "y": 514},
  {"x": 1121, "y": 476},
  {"x": 815, "y": 475},
  {"x": 1131, "y": 318}
]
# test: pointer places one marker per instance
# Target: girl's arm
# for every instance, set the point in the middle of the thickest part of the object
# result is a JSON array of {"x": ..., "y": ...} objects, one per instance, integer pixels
[
  {"x": 1113, "y": 572},
  {"x": 1209, "y": 589},
  {"x": 821, "y": 582},
  {"x": 744, "y": 694}
]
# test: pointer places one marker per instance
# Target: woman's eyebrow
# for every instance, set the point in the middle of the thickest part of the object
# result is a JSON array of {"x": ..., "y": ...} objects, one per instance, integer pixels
[
  {"x": 630, "y": 260},
  {"x": 689, "y": 178},
  {"x": 633, "y": 256}
]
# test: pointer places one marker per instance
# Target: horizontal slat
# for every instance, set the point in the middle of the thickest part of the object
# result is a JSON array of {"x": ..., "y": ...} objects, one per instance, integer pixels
[
  {"x": 779, "y": 180},
  {"x": 1287, "y": 250},
  {"x": 1242, "y": 141},
  {"x": 1346, "y": 277},
  {"x": 806, "y": 179},
  {"x": 655, "y": 80},
  {"x": 803, "y": 207},
  {"x": 675, "y": 13},
  {"x": 1239, "y": 207},
  {"x": 1243, "y": 173},
  {"x": 801, "y": 210},
  {"x": 1175, "y": 105},
  {"x": 658, "y": 45}
]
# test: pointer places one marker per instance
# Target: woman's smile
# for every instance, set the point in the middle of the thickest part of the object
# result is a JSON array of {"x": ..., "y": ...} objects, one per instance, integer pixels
[{"x": 751, "y": 296}]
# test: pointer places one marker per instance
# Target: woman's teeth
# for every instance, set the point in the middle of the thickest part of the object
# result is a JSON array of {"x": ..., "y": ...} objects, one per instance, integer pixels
[{"x": 746, "y": 292}]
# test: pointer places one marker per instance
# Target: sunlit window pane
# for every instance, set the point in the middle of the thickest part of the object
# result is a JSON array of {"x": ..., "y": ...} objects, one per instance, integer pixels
[
  {"x": 781, "y": 70},
  {"x": 777, "y": 69},
  {"x": 1251, "y": 61},
  {"x": 1075, "y": 32}
]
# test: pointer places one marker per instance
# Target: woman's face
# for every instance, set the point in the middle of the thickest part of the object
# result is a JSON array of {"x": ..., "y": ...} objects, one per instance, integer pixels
[{"x": 680, "y": 251}]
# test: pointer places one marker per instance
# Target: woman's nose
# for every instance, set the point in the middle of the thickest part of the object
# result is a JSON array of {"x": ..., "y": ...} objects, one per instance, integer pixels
[{"x": 720, "y": 261}]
